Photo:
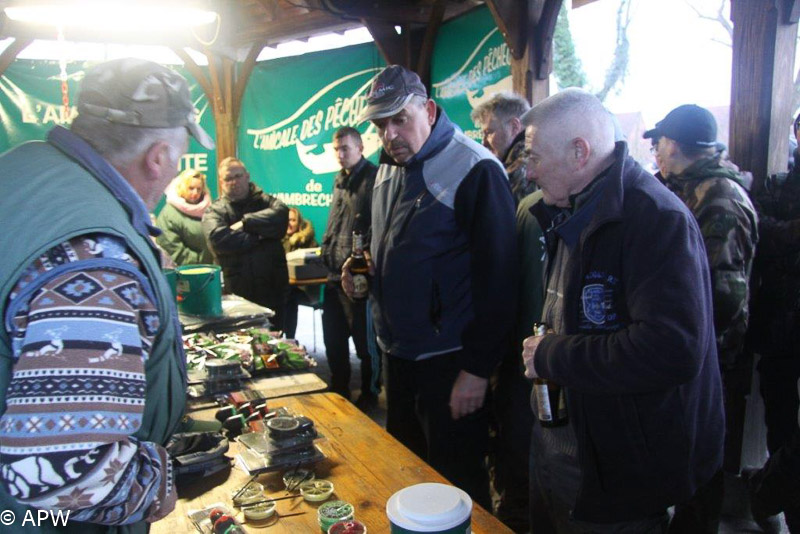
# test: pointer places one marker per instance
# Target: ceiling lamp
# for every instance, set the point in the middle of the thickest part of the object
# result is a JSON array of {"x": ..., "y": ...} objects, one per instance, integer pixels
[{"x": 111, "y": 15}]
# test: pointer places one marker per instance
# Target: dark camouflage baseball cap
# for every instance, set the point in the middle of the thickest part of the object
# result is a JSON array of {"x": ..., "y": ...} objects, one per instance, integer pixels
[
  {"x": 391, "y": 91},
  {"x": 140, "y": 93}
]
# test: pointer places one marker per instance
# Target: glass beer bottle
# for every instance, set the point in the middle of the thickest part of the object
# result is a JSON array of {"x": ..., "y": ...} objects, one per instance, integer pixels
[
  {"x": 358, "y": 266},
  {"x": 551, "y": 402}
]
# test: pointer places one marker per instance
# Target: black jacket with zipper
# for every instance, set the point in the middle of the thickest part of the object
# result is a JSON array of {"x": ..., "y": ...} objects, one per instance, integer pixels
[{"x": 638, "y": 356}]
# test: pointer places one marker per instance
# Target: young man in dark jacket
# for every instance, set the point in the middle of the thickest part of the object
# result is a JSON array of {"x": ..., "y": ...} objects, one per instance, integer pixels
[
  {"x": 244, "y": 228},
  {"x": 343, "y": 317},
  {"x": 443, "y": 292},
  {"x": 632, "y": 343}
]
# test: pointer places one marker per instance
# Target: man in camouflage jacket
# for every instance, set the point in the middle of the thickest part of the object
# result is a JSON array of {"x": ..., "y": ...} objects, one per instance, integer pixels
[{"x": 688, "y": 157}]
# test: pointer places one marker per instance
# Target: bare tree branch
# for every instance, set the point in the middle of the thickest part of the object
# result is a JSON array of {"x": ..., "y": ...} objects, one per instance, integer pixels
[
  {"x": 618, "y": 69},
  {"x": 719, "y": 18},
  {"x": 723, "y": 20}
]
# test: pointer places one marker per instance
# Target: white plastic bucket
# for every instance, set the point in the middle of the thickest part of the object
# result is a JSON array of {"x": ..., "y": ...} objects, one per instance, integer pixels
[{"x": 430, "y": 508}]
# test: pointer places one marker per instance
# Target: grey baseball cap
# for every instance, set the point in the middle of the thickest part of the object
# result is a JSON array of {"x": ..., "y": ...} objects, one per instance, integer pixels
[
  {"x": 140, "y": 93},
  {"x": 391, "y": 91}
]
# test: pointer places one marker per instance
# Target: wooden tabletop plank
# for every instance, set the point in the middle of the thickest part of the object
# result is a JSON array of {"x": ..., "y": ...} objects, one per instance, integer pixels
[{"x": 365, "y": 464}]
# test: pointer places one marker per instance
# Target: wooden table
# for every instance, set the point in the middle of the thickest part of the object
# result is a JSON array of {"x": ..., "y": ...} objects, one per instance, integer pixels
[
  {"x": 307, "y": 281},
  {"x": 281, "y": 384},
  {"x": 365, "y": 464}
]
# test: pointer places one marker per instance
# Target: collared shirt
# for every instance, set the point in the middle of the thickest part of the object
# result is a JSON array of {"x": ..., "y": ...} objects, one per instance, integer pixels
[{"x": 80, "y": 151}]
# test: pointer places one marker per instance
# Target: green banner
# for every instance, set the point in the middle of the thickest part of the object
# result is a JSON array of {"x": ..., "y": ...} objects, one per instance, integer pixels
[
  {"x": 471, "y": 61},
  {"x": 31, "y": 104},
  {"x": 291, "y": 108},
  {"x": 290, "y": 111}
]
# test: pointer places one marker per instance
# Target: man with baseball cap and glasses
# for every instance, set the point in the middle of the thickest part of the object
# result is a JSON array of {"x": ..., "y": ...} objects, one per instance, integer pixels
[
  {"x": 444, "y": 253},
  {"x": 688, "y": 156},
  {"x": 91, "y": 362}
]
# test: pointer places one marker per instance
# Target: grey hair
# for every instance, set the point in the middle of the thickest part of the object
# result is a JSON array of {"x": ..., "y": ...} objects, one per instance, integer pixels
[
  {"x": 578, "y": 113},
  {"x": 418, "y": 100},
  {"x": 504, "y": 106},
  {"x": 120, "y": 143}
]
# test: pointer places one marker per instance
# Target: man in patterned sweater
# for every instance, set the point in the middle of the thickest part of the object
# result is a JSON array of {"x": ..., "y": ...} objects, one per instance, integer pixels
[{"x": 91, "y": 365}]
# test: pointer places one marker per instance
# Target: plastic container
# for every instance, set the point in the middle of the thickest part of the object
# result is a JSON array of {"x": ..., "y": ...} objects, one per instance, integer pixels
[
  {"x": 172, "y": 280},
  {"x": 316, "y": 490},
  {"x": 259, "y": 512},
  {"x": 334, "y": 512},
  {"x": 252, "y": 493},
  {"x": 199, "y": 289},
  {"x": 430, "y": 507},
  {"x": 348, "y": 527}
]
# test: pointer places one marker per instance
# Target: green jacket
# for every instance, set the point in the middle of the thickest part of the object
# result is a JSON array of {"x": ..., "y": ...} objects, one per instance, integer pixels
[
  {"x": 716, "y": 196},
  {"x": 530, "y": 240},
  {"x": 182, "y": 237},
  {"x": 48, "y": 197}
]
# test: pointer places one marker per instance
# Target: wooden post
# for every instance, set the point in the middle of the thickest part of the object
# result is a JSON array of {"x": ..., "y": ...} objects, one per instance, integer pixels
[
  {"x": 224, "y": 88},
  {"x": 527, "y": 27},
  {"x": 761, "y": 85},
  {"x": 10, "y": 53}
]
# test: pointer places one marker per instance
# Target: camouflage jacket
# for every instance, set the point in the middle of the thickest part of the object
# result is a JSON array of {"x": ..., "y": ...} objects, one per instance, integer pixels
[
  {"x": 729, "y": 224},
  {"x": 775, "y": 328},
  {"x": 516, "y": 165}
]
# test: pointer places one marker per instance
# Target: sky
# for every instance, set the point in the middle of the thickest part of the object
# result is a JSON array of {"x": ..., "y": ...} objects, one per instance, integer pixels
[{"x": 675, "y": 56}]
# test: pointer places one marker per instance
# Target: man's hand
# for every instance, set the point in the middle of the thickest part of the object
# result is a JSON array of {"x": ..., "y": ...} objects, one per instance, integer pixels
[
  {"x": 468, "y": 394},
  {"x": 529, "y": 347},
  {"x": 237, "y": 226},
  {"x": 347, "y": 278}
]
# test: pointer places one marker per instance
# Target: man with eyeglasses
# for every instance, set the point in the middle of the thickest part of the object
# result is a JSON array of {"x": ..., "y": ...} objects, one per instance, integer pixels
[
  {"x": 244, "y": 229},
  {"x": 691, "y": 164}
]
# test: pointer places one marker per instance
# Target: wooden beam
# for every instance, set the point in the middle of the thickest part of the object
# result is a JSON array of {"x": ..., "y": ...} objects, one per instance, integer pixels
[
  {"x": 391, "y": 12},
  {"x": 10, "y": 53},
  {"x": 426, "y": 49},
  {"x": 215, "y": 73},
  {"x": 528, "y": 27},
  {"x": 196, "y": 71},
  {"x": 242, "y": 78},
  {"x": 389, "y": 44},
  {"x": 543, "y": 37},
  {"x": 509, "y": 15},
  {"x": 284, "y": 29},
  {"x": 270, "y": 7},
  {"x": 792, "y": 10},
  {"x": 761, "y": 86},
  {"x": 221, "y": 72}
]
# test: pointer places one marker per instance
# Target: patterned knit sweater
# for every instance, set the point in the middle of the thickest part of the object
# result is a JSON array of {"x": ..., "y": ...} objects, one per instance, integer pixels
[{"x": 67, "y": 432}]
